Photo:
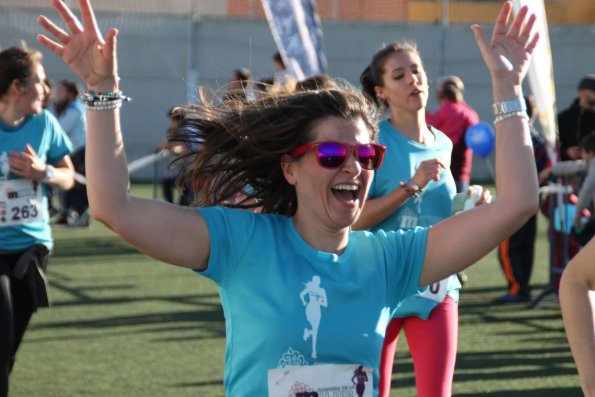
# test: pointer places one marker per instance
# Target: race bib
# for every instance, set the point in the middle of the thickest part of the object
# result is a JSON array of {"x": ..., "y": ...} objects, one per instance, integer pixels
[
  {"x": 327, "y": 380},
  {"x": 20, "y": 202},
  {"x": 436, "y": 291}
]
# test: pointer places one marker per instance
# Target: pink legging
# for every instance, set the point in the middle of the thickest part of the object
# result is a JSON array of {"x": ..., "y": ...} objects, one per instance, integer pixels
[{"x": 433, "y": 347}]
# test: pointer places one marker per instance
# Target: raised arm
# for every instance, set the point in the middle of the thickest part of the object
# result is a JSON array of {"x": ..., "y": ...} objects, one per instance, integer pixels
[
  {"x": 459, "y": 241},
  {"x": 578, "y": 311},
  {"x": 166, "y": 232}
]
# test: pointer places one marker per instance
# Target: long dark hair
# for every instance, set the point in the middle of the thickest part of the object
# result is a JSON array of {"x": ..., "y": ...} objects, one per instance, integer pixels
[
  {"x": 372, "y": 75},
  {"x": 238, "y": 146}
]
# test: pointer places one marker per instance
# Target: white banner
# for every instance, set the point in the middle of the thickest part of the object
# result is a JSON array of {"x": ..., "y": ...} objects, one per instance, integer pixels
[
  {"x": 541, "y": 75},
  {"x": 296, "y": 29}
]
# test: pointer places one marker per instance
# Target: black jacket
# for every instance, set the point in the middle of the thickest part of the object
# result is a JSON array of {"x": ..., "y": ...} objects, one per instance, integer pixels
[{"x": 574, "y": 123}]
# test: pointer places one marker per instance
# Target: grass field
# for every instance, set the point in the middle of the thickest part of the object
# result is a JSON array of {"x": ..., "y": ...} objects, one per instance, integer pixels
[{"x": 123, "y": 324}]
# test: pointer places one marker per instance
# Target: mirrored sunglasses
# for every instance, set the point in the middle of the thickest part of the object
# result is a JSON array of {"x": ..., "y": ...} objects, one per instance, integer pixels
[{"x": 334, "y": 154}]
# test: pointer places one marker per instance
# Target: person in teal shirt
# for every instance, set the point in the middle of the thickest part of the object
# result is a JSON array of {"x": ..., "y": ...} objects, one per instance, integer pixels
[
  {"x": 33, "y": 153},
  {"x": 306, "y": 300},
  {"x": 415, "y": 187}
]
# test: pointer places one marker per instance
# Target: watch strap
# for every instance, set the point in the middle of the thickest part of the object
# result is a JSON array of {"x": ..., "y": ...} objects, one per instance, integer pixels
[{"x": 512, "y": 106}]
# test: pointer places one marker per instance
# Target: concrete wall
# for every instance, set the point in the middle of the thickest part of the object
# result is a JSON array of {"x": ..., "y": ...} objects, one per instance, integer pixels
[{"x": 157, "y": 52}]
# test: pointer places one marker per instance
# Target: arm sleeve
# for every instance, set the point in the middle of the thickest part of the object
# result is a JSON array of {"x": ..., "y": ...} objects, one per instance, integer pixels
[
  {"x": 406, "y": 252},
  {"x": 230, "y": 232}
]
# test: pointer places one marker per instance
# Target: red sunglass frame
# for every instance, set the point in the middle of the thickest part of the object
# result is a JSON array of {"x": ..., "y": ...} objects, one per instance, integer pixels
[{"x": 350, "y": 148}]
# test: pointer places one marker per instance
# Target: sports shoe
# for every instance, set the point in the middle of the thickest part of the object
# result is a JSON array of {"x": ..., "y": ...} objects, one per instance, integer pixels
[{"x": 76, "y": 220}]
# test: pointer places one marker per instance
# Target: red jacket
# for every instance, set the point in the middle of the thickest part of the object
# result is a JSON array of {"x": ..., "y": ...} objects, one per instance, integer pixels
[{"x": 453, "y": 118}]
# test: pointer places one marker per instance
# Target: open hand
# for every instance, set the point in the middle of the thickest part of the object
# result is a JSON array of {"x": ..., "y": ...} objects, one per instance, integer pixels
[
  {"x": 84, "y": 50},
  {"x": 508, "y": 54}
]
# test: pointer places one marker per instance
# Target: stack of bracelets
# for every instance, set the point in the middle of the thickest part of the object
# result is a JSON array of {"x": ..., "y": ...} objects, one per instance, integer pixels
[
  {"x": 508, "y": 109},
  {"x": 411, "y": 188},
  {"x": 94, "y": 100}
]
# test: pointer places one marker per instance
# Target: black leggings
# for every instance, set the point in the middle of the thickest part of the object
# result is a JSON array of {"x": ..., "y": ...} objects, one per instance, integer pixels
[{"x": 16, "y": 308}]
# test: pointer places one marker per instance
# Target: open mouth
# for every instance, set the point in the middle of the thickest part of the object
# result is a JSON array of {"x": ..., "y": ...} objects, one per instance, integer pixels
[{"x": 346, "y": 192}]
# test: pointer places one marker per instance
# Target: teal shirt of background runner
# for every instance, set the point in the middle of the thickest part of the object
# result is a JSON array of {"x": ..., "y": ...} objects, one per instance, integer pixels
[
  {"x": 401, "y": 161},
  {"x": 43, "y": 132},
  {"x": 265, "y": 272}
]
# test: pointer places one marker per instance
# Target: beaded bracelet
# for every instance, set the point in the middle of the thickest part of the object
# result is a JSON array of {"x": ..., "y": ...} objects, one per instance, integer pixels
[
  {"x": 106, "y": 105},
  {"x": 94, "y": 100},
  {"x": 506, "y": 116},
  {"x": 411, "y": 188},
  {"x": 414, "y": 185}
]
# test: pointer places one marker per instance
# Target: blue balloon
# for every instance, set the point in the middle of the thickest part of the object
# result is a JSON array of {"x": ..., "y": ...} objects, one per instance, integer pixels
[{"x": 480, "y": 138}]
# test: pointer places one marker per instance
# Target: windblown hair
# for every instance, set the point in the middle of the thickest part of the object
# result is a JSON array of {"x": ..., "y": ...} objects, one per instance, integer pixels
[
  {"x": 372, "y": 75},
  {"x": 17, "y": 63},
  {"x": 237, "y": 147},
  {"x": 316, "y": 82}
]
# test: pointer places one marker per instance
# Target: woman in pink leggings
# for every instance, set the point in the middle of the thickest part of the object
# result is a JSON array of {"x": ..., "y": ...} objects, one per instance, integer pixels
[{"x": 414, "y": 188}]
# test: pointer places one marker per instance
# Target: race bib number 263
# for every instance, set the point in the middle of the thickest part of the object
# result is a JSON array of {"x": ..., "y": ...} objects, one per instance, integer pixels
[{"x": 20, "y": 202}]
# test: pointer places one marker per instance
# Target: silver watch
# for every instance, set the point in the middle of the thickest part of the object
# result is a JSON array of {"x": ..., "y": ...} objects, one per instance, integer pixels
[
  {"x": 514, "y": 105},
  {"x": 49, "y": 173}
]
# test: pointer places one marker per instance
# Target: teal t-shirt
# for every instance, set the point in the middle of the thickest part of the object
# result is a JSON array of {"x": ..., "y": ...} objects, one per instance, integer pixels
[
  {"x": 288, "y": 304},
  {"x": 434, "y": 204},
  {"x": 43, "y": 132}
]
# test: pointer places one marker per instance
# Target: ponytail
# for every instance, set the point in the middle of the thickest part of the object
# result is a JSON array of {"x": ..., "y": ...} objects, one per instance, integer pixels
[{"x": 368, "y": 83}]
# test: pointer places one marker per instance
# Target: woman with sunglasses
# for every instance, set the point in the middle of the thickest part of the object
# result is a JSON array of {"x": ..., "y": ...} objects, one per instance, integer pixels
[
  {"x": 308, "y": 158},
  {"x": 33, "y": 153},
  {"x": 414, "y": 188}
]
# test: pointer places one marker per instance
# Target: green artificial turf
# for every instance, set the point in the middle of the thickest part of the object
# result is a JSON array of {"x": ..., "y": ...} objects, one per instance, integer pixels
[{"x": 123, "y": 324}]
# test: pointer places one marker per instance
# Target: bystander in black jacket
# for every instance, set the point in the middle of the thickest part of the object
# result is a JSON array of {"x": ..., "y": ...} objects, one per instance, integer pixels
[{"x": 574, "y": 124}]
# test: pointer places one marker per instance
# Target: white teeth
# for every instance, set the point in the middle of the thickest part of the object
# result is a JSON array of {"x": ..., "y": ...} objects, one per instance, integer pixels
[{"x": 351, "y": 188}]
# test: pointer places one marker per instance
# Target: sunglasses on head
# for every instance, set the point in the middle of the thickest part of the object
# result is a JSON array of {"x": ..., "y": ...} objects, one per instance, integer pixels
[{"x": 334, "y": 154}]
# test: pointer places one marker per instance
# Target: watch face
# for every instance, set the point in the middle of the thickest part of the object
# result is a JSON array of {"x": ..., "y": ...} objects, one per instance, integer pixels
[{"x": 49, "y": 173}]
